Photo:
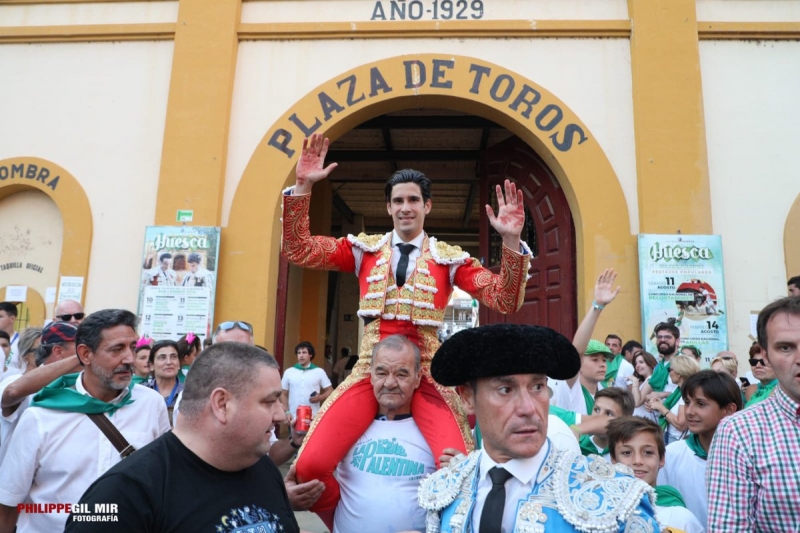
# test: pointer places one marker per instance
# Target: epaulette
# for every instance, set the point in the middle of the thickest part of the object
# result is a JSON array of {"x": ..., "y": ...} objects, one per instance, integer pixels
[
  {"x": 441, "y": 488},
  {"x": 594, "y": 495},
  {"x": 445, "y": 254},
  {"x": 369, "y": 243}
]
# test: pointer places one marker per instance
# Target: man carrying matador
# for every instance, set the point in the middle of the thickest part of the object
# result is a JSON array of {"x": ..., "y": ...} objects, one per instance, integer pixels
[{"x": 405, "y": 281}]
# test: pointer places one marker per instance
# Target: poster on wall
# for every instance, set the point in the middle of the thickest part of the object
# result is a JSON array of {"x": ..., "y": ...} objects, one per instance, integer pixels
[
  {"x": 682, "y": 283},
  {"x": 178, "y": 281}
]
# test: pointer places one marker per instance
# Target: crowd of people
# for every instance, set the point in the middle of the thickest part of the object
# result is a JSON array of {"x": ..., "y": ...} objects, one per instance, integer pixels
[{"x": 500, "y": 428}]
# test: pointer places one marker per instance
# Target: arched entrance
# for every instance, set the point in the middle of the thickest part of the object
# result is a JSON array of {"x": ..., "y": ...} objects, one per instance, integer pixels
[
  {"x": 252, "y": 239},
  {"x": 25, "y": 174}
]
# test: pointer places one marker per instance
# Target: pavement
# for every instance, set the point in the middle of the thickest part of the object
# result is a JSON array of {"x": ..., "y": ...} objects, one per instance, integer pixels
[{"x": 307, "y": 521}]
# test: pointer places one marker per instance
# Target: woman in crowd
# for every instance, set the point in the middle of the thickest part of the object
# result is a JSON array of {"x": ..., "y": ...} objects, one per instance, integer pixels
[
  {"x": 725, "y": 363},
  {"x": 764, "y": 373},
  {"x": 189, "y": 348},
  {"x": 729, "y": 365},
  {"x": 643, "y": 364},
  {"x": 165, "y": 364},
  {"x": 672, "y": 416},
  {"x": 693, "y": 351},
  {"x": 141, "y": 362}
]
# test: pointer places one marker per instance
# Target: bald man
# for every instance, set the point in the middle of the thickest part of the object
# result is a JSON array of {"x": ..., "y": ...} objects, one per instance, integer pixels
[{"x": 70, "y": 311}]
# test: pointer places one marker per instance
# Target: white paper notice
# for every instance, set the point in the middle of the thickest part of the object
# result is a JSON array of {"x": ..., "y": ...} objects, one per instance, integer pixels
[
  {"x": 50, "y": 295},
  {"x": 753, "y": 322},
  {"x": 16, "y": 293},
  {"x": 70, "y": 288}
]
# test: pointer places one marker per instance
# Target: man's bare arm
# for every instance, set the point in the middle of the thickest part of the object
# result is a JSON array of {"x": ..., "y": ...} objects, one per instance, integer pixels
[
  {"x": 34, "y": 381},
  {"x": 8, "y": 519}
]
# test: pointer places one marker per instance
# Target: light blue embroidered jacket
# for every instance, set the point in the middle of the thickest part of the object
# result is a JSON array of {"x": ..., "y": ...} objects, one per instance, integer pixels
[{"x": 570, "y": 493}]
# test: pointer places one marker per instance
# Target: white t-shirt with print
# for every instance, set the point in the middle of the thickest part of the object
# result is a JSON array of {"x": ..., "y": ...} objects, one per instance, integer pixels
[{"x": 379, "y": 478}]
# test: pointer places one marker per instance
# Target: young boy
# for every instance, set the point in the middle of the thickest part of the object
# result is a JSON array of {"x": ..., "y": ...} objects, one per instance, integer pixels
[
  {"x": 610, "y": 403},
  {"x": 639, "y": 443},
  {"x": 709, "y": 396}
]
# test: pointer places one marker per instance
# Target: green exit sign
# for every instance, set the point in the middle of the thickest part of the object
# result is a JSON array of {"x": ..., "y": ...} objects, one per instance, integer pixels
[{"x": 185, "y": 215}]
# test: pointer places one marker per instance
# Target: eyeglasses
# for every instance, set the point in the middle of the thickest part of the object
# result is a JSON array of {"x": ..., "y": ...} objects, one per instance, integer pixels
[
  {"x": 664, "y": 337},
  {"x": 225, "y": 326},
  {"x": 67, "y": 318},
  {"x": 756, "y": 362}
]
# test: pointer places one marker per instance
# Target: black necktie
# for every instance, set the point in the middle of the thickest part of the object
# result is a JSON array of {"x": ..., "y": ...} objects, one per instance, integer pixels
[
  {"x": 492, "y": 514},
  {"x": 402, "y": 265}
]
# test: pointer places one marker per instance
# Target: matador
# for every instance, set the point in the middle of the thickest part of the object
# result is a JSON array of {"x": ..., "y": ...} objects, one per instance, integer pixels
[{"x": 405, "y": 281}]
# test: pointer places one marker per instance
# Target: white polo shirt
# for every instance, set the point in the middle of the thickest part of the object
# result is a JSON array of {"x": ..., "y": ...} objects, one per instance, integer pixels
[{"x": 55, "y": 455}]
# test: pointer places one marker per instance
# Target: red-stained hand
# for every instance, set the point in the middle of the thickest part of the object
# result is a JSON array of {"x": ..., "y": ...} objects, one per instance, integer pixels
[
  {"x": 510, "y": 217},
  {"x": 311, "y": 165}
]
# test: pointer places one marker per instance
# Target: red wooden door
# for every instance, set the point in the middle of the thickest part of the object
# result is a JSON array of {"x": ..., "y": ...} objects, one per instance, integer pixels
[{"x": 550, "y": 294}]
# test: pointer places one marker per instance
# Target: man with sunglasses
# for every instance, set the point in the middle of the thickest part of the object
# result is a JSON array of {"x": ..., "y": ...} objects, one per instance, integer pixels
[
  {"x": 70, "y": 311},
  {"x": 764, "y": 373},
  {"x": 233, "y": 331}
]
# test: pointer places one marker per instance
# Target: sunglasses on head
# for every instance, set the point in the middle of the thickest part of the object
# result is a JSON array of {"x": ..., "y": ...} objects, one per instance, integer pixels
[
  {"x": 756, "y": 362},
  {"x": 225, "y": 326},
  {"x": 67, "y": 318}
]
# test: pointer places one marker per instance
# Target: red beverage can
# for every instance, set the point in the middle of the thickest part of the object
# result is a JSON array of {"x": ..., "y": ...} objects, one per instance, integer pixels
[{"x": 303, "y": 419}]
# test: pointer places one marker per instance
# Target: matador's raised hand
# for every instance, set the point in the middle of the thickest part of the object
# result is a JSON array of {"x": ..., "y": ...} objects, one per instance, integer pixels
[
  {"x": 311, "y": 165},
  {"x": 510, "y": 217}
]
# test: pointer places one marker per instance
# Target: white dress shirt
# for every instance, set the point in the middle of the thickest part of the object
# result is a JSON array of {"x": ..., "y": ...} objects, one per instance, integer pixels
[
  {"x": 55, "y": 455},
  {"x": 518, "y": 487}
]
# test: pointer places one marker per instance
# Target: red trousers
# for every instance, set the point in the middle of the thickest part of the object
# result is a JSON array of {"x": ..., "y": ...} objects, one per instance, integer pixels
[{"x": 349, "y": 416}]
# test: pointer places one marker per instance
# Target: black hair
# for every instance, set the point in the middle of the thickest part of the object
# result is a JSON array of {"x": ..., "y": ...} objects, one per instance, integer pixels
[
  {"x": 794, "y": 281},
  {"x": 717, "y": 386},
  {"x": 90, "y": 332},
  {"x": 672, "y": 328},
  {"x": 165, "y": 255},
  {"x": 9, "y": 307},
  {"x": 166, "y": 343},
  {"x": 630, "y": 345},
  {"x": 193, "y": 258},
  {"x": 185, "y": 347},
  {"x": 308, "y": 346},
  {"x": 408, "y": 175},
  {"x": 614, "y": 336},
  {"x": 4, "y": 335},
  {"x": 789, "y": 305}
]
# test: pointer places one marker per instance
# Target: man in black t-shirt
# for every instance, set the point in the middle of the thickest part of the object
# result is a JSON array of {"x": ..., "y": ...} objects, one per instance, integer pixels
[{"x": 212, "y": 473}]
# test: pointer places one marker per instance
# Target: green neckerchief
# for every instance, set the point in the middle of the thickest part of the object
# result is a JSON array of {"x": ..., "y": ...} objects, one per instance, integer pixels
[
  {"x": 762, "y": 393},
  {"x": 667, "y": 496},
  {"x": 182, "y": 374},
  {"x": 612, "y": 369},
  {"x": 589, "y": 448},
  {"x": 61, "y": 395},
  {"x": 568, "y": 417},
  {"x": 298, "y": 366},
  {"x": 138, "y": 380},
  {"x": 669, "y": 403},
  {"x": 660, "y": 376},
  {"x": 694, "y": 444},
  {"x": 478, "y": 437},
  {"x": 589, "y": 399}
]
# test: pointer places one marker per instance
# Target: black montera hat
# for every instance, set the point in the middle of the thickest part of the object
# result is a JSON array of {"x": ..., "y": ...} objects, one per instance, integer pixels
[{"x": 503, "y": 350}]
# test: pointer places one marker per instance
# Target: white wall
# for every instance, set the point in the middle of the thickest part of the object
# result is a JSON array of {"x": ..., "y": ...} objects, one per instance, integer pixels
[
  {"x": 591, "y": 76},
  {"x": 102, "y": 13},
  {"x": 748, "y": 10},
  {"x": 364, "y": 10},
  {"x": 98, "y": 110},
  {"x": 752, "y": 109}
]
